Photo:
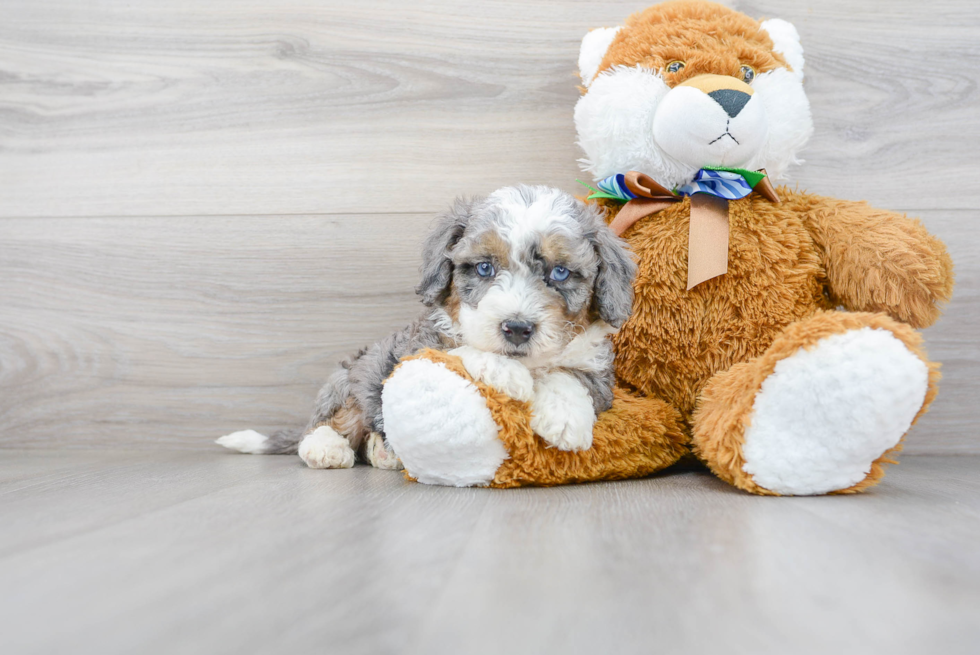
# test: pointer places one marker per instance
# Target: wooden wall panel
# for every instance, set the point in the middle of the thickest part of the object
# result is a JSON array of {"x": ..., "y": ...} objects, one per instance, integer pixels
[
  {"x": 128, "y": 108},
  {"x": 170, "y": 331},
  {"x": 950, "y": 427},
  {"x": 204, "y": 205}
]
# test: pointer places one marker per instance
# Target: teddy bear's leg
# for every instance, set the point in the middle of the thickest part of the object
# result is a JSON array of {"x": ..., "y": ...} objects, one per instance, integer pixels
[
  {"x": 820, "y": 411},
  {"x": 635, "y": 438},
  {"x": 439, "y": 426},
  {"x": 448, "y": 429}
]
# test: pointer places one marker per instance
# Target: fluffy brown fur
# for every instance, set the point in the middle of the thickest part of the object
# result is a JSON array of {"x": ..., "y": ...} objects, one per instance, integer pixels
[
  {"x": 637, "y": 437},
  {"x": 880, "y": 261},
  {"x": 707, "y": 37},
  {"x": 699, "y": 356},
  {"x": 786, "y": 262},
  {"x": 708, "y": 349}
]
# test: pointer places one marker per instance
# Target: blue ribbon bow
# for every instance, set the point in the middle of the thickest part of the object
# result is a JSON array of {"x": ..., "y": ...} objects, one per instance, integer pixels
[
  {"x": 731, "y": 184},
  {"x": 723, "y": 184}
]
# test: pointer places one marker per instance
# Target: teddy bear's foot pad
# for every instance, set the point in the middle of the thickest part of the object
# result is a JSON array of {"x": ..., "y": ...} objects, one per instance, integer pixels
[
  {"x": 438, "y": 424},
  {"x": 828, "y": 412}
]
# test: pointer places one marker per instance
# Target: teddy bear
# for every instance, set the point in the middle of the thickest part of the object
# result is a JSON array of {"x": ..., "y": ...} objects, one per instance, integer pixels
[{"x": 773, "y": 333}]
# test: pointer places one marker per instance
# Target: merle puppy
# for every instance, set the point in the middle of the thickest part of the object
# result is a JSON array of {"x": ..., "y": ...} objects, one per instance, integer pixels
[{"x": 524, "y": 286}]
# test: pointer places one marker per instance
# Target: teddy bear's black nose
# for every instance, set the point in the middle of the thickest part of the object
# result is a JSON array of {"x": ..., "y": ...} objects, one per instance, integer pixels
[{"x": 731, "y": 101}]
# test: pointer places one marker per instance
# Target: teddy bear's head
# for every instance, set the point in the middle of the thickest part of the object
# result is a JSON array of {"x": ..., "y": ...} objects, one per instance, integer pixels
[{"x": 690, "y": 84}]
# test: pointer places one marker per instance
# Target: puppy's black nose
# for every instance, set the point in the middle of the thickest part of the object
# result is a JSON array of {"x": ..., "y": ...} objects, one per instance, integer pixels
[
  {"x": 731, "y": 101},
  {"x": 517, "y": 332}
]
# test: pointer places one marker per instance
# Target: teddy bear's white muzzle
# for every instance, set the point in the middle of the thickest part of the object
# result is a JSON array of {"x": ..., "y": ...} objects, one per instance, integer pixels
[{"x": 726, "y": 127}]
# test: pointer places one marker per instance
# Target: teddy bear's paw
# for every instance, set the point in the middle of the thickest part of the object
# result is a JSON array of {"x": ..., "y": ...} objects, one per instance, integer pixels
[
  {"x": 562, "y": 412},
  {"x": 827, "y": 412},
  {"x": 379, "y": 455},
  {"x": 506, "y": 375},
  {"x": 439, "y": 424},
  {"x": 326, "y": 449}
]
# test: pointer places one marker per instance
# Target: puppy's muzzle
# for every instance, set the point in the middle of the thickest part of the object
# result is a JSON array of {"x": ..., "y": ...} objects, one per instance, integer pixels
[{"x": 517, "y": 332}]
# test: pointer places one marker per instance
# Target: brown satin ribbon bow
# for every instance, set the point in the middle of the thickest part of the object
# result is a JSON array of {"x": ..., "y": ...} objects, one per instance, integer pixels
[{"x": 707, "y": 254}]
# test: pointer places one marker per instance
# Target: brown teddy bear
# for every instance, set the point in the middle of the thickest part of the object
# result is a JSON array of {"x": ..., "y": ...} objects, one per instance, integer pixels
[{"x": 772, "y": 330}]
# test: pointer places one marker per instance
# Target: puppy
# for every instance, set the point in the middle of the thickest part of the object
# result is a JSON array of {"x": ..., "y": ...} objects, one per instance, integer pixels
[{"x": 524, "y": 286}]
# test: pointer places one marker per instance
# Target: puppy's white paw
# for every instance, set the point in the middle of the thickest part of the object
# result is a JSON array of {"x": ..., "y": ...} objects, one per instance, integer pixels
[
  {"x": 562, "y": 412},
  {"x": 506, "y": 375},
  {"x": 381, "y": 456},
  {"x": 325, "y": 449}
]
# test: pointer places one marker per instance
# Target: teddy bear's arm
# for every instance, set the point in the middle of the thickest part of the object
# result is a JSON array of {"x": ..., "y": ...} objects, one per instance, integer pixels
[{"x": 881, "y": 261}]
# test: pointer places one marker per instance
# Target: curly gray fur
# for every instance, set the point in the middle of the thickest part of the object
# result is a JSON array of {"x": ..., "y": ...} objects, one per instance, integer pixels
[
  {"x": 603, "y": 285},
  {"x": 362, "y": 377}
]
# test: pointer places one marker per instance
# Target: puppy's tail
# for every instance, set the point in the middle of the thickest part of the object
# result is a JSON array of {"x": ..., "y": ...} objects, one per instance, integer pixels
[
  {"x": 283, "y": 442},
  {"x": 331, "y": 398}
]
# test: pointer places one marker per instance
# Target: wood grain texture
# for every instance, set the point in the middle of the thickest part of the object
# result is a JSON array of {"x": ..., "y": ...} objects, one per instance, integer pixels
[
  {"x": 203, "y": 206},
  {"x": 146, "y": 108},
  {"x": 951, "y": 426},
  {"x": 172, "y": 331},
  {"x": 218, "y": 553}
]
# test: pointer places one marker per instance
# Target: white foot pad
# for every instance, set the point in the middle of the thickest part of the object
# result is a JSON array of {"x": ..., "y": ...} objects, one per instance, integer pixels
[
  {"x": 825, "y": 414},
  {"x": 440, "y": 426},
  {"x": 325, "y": 449}
]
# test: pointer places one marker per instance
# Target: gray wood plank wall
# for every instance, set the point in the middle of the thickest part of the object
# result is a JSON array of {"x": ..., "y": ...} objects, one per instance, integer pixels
[{"x": 204, "y": 205}]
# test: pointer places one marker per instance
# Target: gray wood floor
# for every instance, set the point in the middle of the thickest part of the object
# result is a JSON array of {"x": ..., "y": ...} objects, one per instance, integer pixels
[{"x": 191, "y": 552}]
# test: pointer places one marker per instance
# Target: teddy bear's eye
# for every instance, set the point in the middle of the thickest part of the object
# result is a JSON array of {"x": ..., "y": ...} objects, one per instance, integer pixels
[
  {"x": 675, "y": 66},
  {"x": 747, "y": 73}
]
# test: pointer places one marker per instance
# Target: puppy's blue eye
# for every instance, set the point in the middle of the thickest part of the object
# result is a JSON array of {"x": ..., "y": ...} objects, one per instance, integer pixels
[
  {"x": 484, "y": 269},
  {"x": 559, "y": 273}
]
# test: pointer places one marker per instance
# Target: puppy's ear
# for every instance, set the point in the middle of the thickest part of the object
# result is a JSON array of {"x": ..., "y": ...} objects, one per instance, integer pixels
[
  {"x": 612, "y": 299},
  {"x": 437, "y": 266}
]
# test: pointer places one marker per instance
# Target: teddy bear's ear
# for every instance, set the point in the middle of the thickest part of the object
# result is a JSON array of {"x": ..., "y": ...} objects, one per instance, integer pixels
[
  {"x": 594, "y": 46},
  {"x": 787, "y": 43}
]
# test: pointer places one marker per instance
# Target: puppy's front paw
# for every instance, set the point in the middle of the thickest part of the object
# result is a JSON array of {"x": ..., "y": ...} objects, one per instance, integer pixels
[
  {"x": 506, "y": 375},
  {"x": 325, "y": 449},
  {"x": 562, "y": 412}
]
